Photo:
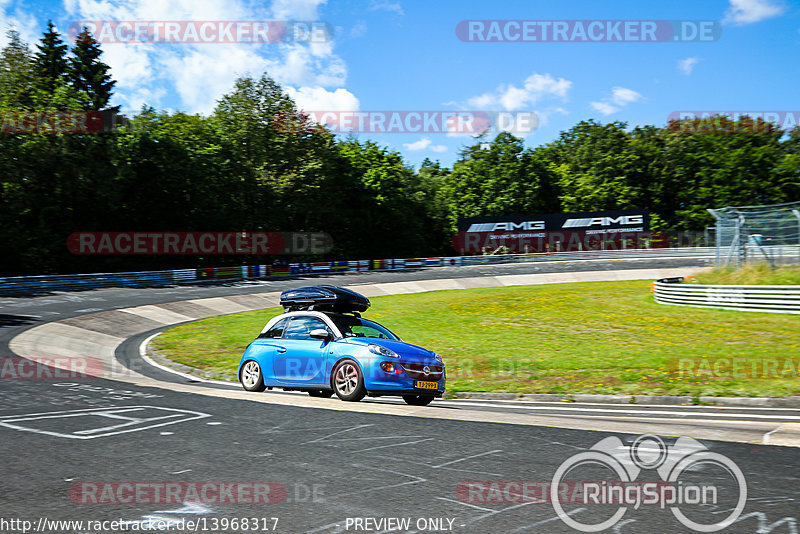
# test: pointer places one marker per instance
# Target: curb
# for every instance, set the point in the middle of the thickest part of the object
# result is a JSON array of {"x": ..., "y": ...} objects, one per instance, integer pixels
[
  {"x": 185, "y": 369},
  {"x": 755, "y": 402}
]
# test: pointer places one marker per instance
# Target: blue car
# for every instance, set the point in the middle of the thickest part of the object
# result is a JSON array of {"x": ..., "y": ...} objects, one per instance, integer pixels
[{"x": 323, "y": 346}]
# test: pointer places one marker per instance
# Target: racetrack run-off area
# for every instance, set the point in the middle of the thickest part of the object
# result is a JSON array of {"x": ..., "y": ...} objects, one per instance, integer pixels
[
  {"x": 591, "y": 337},
  {"x": 335, "y": 460}
]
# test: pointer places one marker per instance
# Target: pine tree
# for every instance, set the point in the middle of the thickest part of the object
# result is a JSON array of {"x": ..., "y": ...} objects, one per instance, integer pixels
[
  {"x": 88, "y": 74},
  {"x": 50, "y": 65},
  {"x": 16, "y": 73}
]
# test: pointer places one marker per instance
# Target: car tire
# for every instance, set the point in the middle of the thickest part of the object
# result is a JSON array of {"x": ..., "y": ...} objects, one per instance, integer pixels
[
  {"x": 348, "y": 382},
  {"x": 251, "y": 377},
  {"x": 418, "y": 400},
  {"x": 321, "y": 393}
]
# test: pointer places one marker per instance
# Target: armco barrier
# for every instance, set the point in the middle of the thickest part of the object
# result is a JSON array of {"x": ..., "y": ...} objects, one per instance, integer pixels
[
  {"x": 34, "y": 284},
  {"x": 754, "y": 298}
]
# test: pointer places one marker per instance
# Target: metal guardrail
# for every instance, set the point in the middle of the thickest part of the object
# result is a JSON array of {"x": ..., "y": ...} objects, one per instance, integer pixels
[
  {"x": 35, "y": 284},
  {"x": 754, "y": 298},
  {"x": 20, "y": 285}
]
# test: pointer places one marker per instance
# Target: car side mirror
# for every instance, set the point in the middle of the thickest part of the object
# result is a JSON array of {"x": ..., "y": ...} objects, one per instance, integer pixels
[{"x": 320, "y": 333}]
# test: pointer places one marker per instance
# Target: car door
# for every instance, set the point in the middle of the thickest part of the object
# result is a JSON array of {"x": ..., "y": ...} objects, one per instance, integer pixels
[
  {"x": 299, "y": 360},
  {"x": 265, "y": 349}
]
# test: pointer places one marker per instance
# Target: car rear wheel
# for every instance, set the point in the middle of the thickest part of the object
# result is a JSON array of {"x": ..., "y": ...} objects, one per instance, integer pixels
[
  {"x": 418, "y": 400},
  {"x": 323, "y": 393},
  {"x": 348, "y": 383},
  {"x": 252, "y": 379}
]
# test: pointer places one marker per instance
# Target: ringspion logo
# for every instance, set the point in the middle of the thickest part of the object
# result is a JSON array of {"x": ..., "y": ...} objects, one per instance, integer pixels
[{"x": 692, "y": 483}]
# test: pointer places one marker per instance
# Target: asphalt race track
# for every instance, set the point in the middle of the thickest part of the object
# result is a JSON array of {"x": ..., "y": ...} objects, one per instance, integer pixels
[{"x": 327, "y": 466}]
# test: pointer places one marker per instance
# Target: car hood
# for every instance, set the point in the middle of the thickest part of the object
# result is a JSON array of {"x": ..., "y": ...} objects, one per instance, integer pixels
[{"x": 402, "y": 348}]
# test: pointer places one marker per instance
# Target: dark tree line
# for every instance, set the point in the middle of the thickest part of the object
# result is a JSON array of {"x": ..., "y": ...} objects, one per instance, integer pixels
[{"x": 242, "y": 169}]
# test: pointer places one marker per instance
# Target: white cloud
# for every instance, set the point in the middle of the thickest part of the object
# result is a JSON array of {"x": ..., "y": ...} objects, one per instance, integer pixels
[
  {"x": 536, "y": 87},
  {"x": 544, "y": 115},
  {"x": 686, "y": 66},
  {"x": 620, "y": 97},
  {"x": 604, "y": 107},
  {"x": 305, "y": 10},
  {"x": 742, "y": 12},
  {"x": 386, "y": 5},
  {"x": 359, "y": 29},
  {"x": 200, "y": 74},
  {"x": 24, "y": 22},
  {"x": 422, "y": 144},
  {"x": 320, "y": 99}
]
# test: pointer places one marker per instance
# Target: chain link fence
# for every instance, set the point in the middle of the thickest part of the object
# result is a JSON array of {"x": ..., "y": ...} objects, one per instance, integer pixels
[{"x": 758, "y": 234}]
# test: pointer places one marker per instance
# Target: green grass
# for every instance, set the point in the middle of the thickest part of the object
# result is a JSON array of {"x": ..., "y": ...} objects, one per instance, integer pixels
[
  {"x": 594, "y": 337},
  {"x": 752, "y": 274}
]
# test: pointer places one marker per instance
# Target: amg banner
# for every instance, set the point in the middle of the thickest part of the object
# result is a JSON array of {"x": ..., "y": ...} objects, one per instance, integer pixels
[{"x": 558, "y": 232}]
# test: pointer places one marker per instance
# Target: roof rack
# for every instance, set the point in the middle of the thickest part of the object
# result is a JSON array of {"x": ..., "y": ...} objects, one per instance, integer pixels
[{"x": 324, "y": 298}]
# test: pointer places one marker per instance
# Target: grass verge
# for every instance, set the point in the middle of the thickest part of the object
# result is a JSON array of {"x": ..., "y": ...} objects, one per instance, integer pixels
[
  {"x": 591, "y": 337},
  {"x": 752, "y": 274}
]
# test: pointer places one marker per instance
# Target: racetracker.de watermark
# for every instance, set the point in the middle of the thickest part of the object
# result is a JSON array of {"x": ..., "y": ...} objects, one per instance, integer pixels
[
  {"x": 735, "y": 367},
  {"x": 730, "y": 121},
  {"x": 208, "y": 492},
  {"x": 50, "y": 368},
  {"x": 48, "y": 122},
  {"x": 202, "y": 32},
  {"x": 408, "y": 121},
  {"x": 199, "y": 243},
  {"x": 588, "y": 31}
]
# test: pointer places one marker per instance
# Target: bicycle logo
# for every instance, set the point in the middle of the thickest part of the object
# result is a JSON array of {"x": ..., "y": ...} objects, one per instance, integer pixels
[{"x": 649, "y": 452}]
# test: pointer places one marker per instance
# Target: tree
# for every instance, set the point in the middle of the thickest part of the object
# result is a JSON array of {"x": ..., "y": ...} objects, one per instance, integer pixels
[
  {"x": 87, "y": 73},
  {"x": 499, "y": 179},
  {"x": 16, "y": 73},
  {"x": 50, "y": 65}
]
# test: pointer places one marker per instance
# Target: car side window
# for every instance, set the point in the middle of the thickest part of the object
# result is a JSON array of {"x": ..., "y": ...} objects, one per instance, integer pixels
[
  {"x": 301, "y": 327},
  {"x": 276, "y": 331}
]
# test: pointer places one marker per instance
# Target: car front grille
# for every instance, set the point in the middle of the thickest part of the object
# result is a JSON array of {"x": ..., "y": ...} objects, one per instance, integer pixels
[{"x": 416, "y": 371}]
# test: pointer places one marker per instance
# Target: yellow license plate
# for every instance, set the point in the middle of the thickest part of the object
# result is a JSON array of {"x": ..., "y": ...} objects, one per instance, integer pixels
[{"x": 426, "y": 385}]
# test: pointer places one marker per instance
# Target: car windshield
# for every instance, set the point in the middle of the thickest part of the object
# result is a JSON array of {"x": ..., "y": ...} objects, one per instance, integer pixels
[{"x": 356, "y": 327}]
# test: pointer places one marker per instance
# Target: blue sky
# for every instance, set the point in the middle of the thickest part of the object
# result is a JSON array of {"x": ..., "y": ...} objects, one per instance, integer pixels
[{"x": 388, "y": 55}]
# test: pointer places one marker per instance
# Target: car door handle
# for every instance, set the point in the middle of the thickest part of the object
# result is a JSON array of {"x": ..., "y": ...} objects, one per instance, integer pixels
[{"x": 281, "y": 350}]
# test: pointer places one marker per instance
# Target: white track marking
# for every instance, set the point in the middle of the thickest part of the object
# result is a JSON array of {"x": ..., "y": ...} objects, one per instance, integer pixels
[
  {"x": 466, "y": 458},
  {"x": 765, "y": 439},
  {"x": 618, "y": 413},
  {"x": 393, "y": 445},
  {"x": 465, "y": 504},
  {"x": 337, "y": 433},
  {"x": 143, "y": 355},
  {"x": 109, "y": 412},
  {"x": 417, "y": 480}
]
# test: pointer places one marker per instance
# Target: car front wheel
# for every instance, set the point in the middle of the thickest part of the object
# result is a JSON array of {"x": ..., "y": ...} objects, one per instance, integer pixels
[
  {"x": 348, "y": 382},
  {"x": 418, "y": 400},
  {"x": 252, "y": 379}
]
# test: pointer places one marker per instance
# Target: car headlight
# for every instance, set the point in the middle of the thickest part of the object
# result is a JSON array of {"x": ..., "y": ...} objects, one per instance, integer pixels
[
  {"x": 437, "y": 357},
  {"x": 383, "y": 351}
]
